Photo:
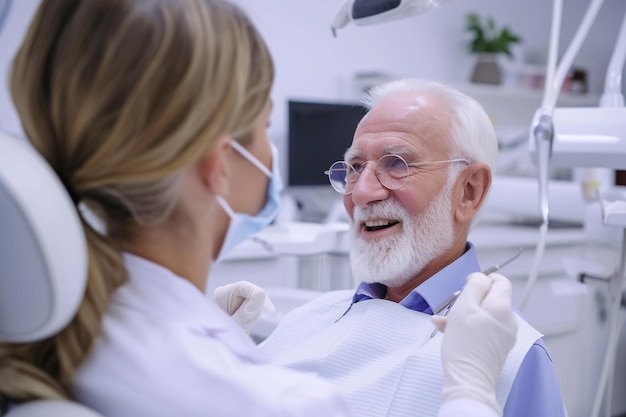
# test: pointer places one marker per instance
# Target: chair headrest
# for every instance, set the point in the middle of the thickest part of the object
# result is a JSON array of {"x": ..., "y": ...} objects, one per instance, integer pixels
[{"x": 43, "y": 252}]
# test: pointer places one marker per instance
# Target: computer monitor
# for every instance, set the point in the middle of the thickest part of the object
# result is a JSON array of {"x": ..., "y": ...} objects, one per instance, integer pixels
[{"x": 319, "y": 134}]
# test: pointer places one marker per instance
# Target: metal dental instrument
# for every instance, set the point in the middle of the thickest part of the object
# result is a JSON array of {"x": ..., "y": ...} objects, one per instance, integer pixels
[
  {"x": 447, "y": 305},
  {"x": 496, "y": 268}
]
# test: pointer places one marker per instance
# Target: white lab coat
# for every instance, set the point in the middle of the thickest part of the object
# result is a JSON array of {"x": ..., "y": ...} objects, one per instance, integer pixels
[
  {"x": 166, "y": 350},
  {"x": 464, "y": 407}
]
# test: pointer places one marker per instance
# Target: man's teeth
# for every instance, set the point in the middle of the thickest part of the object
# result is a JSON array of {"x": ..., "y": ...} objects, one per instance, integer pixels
[{"x": 377, "y": 223}]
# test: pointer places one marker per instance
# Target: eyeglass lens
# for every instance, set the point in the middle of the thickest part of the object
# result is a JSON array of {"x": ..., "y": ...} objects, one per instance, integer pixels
[{"x": 391, "y": 171}]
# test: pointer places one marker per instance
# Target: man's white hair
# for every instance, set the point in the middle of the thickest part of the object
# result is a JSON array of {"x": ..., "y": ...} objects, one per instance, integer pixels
[{"x": 473, "y": 135}]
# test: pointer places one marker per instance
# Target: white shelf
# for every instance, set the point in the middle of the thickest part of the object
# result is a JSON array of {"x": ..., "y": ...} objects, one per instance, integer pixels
[
  {"x": 511, "y": 107},
  {"x": 505, "y": 91}
]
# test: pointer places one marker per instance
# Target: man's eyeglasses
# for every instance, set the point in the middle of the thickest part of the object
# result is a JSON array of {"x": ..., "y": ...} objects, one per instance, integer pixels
[{"x": 391, "y": 170}]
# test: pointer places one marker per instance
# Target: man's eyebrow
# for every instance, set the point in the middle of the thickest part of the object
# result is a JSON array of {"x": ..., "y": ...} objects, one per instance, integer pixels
[
  {"x": 402, "y": 151},
  {"x": 352, "y": 154}
]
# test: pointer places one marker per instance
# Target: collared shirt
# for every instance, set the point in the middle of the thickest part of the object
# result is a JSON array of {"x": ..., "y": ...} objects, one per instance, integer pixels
[
  {"x": 535, "y": 391},
  {"x": 431, "y": 293}
]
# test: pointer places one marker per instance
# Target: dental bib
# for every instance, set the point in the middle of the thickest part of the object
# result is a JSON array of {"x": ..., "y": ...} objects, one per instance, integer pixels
[{"x": 379, "y": 353}]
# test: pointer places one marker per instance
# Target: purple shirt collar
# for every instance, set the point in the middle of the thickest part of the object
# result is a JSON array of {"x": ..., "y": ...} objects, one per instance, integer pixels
[{"x": 435, "y": 290}]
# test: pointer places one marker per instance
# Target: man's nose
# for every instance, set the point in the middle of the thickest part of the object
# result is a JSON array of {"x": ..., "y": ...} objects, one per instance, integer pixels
[{"x": 368, "y": 187}]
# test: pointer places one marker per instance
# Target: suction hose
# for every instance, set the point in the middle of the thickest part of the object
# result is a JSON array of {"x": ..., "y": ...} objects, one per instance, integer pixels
[{"x": 543, "y": 133}]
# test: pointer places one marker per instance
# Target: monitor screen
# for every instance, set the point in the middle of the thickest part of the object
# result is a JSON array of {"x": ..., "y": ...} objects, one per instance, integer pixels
[{"x": 319, "y": 134}]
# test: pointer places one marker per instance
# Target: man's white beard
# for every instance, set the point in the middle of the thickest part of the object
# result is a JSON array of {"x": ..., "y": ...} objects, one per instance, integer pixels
[{"x": 394, "y": 260}]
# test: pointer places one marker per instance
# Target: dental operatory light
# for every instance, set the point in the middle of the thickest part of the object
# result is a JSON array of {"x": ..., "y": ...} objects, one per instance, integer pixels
[{"x": 369, "y": 12}]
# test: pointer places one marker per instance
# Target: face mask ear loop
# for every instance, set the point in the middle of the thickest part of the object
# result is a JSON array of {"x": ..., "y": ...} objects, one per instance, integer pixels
[
  {"x": 253, "y": 160},
  {"x": 225, "y": 206}
]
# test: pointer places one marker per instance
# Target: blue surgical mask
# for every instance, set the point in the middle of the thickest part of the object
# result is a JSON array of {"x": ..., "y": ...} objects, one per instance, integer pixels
[{"x": 242, "y": 225}]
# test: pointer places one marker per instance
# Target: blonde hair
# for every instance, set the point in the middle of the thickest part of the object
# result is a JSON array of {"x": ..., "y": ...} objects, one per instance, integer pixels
[{"x": 120, "y": 96}]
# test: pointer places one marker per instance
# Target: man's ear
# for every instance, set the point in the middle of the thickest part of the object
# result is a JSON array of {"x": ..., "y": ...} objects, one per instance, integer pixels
[
  {"x": 476, "y": 180},
  {"x": 214, "y": 167}
]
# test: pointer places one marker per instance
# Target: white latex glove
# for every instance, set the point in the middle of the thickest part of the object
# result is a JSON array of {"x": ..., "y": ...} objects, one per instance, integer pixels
[
  {"x": 244, "y": 301},
  {"x": 480, "y": 331}
]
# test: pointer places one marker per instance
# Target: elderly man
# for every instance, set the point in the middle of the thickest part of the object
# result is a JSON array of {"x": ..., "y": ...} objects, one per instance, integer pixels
[{"x": 414, "y": 179}]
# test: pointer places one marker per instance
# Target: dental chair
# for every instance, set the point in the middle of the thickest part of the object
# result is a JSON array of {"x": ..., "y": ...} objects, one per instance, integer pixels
[{"x": 43, "y": 260}]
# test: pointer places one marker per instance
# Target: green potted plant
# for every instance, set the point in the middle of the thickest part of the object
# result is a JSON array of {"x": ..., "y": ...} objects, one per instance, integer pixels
[{"x": 488, "y": 42}]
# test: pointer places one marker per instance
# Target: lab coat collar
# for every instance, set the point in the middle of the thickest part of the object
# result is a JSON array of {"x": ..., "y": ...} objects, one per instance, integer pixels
[
  {"x": 435, "y": 290},
  {"x": 156, "y": 291}
]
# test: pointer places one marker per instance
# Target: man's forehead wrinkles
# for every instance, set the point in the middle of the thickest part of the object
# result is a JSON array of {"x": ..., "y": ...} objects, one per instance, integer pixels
[{"x": 389, "y": 126}]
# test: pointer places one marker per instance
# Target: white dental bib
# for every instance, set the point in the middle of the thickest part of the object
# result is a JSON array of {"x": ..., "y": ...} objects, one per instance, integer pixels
[{"x": 380, "y": 353}]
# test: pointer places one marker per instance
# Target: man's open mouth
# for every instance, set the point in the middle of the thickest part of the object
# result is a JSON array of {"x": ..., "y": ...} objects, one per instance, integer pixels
[{"x": 373, "y": 225}]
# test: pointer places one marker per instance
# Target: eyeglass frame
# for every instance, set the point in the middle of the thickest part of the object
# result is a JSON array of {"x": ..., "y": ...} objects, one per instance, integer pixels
[{"x": 327, "y": 172}]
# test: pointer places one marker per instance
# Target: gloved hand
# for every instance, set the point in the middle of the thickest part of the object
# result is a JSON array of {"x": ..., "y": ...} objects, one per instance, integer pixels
[
  {"x": 480, "y": 331},
  {"x": 244, "y": 301}
]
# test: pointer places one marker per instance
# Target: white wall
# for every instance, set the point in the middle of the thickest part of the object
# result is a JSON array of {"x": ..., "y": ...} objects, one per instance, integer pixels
[{"x": 310, "y": 63}]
